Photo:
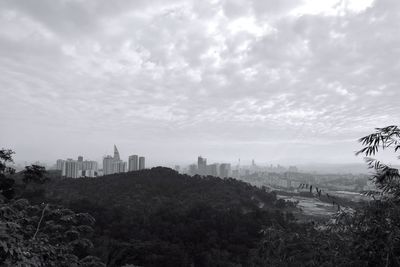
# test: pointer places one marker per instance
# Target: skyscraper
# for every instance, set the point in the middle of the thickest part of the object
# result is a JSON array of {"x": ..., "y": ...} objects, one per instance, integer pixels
[
  {"x": 213, "y": 169},
  {"x": 89, "y": 165},
  {"x": 141, "y": 163},
  {"x": 202, "y": 165},
  {"x": 133, "y": 163},
  {"x": 114, "y": 164},
  {"x": 71, "y": 168},
  {"x": 116, "y": 153},
  {"x": 80, "y": 163},
  {"x": 224, "y": 170},
  {"x": 108, "y": 165},
  {"x": 118, "y": 166},
  {"x": 89, "y": 168},
  {"x": 192, "y": 169},
  {"x": 60, "y": 165}
]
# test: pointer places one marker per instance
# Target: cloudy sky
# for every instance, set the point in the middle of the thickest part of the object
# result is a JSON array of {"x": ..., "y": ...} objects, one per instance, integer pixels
[{"x": 284, "y": 81}]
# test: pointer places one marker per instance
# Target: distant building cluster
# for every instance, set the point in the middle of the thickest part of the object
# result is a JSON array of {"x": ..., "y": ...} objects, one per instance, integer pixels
[
  {"x": 215, "y": 169},
  {"x": 114, "y": 164},
  {"x": 77, "y": 168},
  {"x": 291, "y": 180},
  {"x": 111, "y": 164},
  {"x": 272, "y": 176},
  {"x": 136, "y": 163},
  {"x": 260, "y": 175}
]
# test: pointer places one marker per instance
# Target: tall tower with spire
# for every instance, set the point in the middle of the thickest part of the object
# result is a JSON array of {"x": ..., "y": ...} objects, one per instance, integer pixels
[
  {"x": 116, "y": 153},
  {"x": 114, "y": 164}
]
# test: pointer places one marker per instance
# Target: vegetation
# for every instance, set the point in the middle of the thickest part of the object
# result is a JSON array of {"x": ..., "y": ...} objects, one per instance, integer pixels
[
  {"x": 35, "y": 174},
  {"x": 6, "y": 183},
  {"x": 158, "y": 217},
  {"x": 365, "y": 236},
  {"x": 43, "y": 234}
]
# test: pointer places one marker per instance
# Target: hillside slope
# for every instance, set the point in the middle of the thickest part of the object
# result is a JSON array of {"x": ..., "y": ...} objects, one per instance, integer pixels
[
  {"x": 158, "y": 217},
  {"x": 158, "y": 185}
]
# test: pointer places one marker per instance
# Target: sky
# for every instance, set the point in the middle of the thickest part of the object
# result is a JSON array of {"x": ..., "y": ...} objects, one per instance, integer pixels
[{"x": 284, "y": 81}]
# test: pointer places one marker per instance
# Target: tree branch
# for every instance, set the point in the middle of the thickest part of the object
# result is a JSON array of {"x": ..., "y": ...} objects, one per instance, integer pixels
[{"x": 40, "y": 221}]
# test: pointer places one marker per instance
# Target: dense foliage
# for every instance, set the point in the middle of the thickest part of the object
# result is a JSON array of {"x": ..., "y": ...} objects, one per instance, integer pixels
[
  {"x": 43, "y": 234},
  {"x": 6, "y": 183},
  {"x": 158, "y": 217}
]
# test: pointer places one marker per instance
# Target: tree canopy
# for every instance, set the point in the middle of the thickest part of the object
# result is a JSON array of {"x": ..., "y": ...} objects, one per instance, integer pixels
[{"x": 42, "y": 234}]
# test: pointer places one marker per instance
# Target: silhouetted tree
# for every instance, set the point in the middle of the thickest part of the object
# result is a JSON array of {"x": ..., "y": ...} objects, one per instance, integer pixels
[
  {"x": 6, "y": 182},
  {"x": 386, "y": 178},
  {"x": 35, "y": 174}
]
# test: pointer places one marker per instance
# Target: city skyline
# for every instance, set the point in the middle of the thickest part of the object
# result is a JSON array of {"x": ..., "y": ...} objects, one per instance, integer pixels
[
  {"x": 71, "y": 168},
  {"x": 214, "y": 168},
  {"x": 307, "y": 166}
]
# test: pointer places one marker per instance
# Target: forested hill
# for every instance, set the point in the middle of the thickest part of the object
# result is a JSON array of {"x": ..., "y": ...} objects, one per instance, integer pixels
[
  {"x": 159, "y": 186},
  {"x": 158, "y": 217}
]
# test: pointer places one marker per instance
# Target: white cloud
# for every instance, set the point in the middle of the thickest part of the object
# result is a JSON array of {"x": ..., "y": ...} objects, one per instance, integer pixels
[{"x": 190, "y": 74}]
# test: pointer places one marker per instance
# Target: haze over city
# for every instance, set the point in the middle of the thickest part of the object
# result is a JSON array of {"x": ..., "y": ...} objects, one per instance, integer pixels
[{"x": 279, "y": 81}]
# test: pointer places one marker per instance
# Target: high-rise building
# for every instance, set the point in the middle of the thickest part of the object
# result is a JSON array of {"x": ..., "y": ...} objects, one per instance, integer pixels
[
  {"x": 224, "y": 170},
  {"x": 133, "y": 163},
  {"x": 64, "y": 170},
  {"x": 141, "y": 163},
  {"x": 118, "y": 166},
  {"x": 80, "y": 163},
  {"x": 108, "y": 165},
  {"x": 116, "y": 153},
  {"x": 202, "y": 165},
  {"x": 89, "y": 173},
  {"x": 60, "y": 165},
  {"x": 192, "y": 169},
  {"x": 213, "y": 169},
  {"x": 114, "y": 164},
  {"x": 89, "y": 168},
  {"x": 89, "y": 165},
  {"x": 71, "y": 168}
]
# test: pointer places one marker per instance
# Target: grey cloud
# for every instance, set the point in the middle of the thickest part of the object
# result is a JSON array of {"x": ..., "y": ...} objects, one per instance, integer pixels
[{"x": 175, "y": 74}]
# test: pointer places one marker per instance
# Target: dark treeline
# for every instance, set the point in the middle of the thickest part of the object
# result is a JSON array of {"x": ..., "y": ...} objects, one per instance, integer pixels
[{"x": 158, "y": 217}]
